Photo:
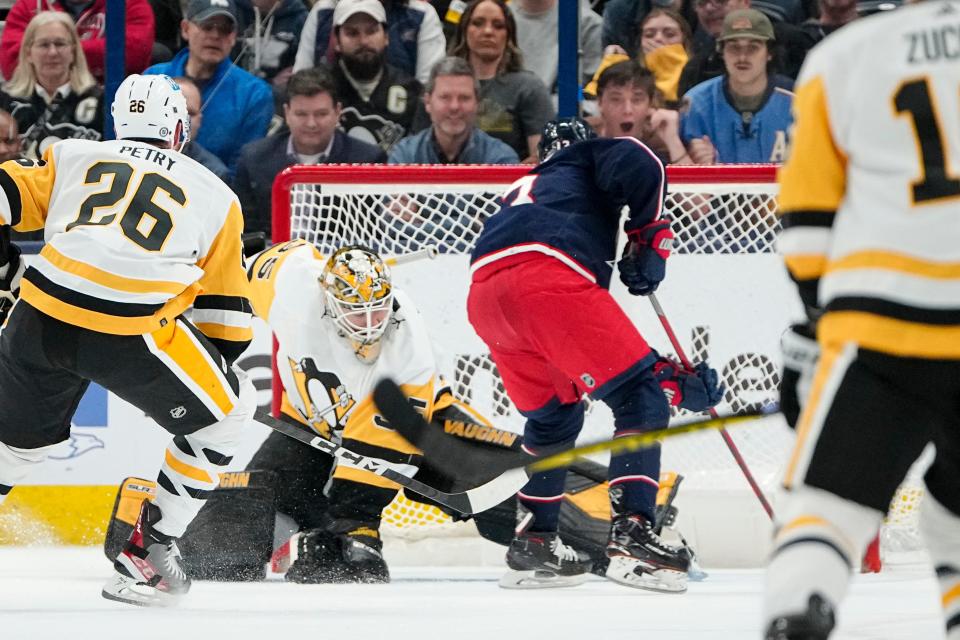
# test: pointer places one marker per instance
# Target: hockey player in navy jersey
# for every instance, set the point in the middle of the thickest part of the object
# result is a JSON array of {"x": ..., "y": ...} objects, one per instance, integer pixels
[{"x": 539, "y": 299}]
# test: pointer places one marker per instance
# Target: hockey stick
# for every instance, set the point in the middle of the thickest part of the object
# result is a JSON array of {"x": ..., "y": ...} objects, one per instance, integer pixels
[
  {"x": 429, "y": 252},
  {"x": 731, "y": 445},
  {"x": 472, "y": 465},
  {"x": 480, "y": 498}
]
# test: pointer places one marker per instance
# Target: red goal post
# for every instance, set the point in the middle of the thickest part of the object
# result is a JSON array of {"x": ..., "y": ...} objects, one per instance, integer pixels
[{"x": 727, "y": 294}]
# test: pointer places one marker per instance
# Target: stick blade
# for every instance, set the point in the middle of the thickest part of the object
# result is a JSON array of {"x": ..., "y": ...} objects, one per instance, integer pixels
[{"x": 466, "y": 465}]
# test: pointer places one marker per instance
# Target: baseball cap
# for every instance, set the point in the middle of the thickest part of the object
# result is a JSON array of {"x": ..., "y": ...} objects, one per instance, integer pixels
[
  {"x": 746, "y": 23},
  {"x": 200, "y": 10},
  {"x": 347, "y": 8}
]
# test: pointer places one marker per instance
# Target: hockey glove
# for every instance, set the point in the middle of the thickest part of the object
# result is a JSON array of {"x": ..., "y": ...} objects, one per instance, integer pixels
[
  {"x": 10, "y": 274},
  {"x": 800, "y": 353},
  {"x": 696, "y": 390},
  {"x": 644, "y": 262}
]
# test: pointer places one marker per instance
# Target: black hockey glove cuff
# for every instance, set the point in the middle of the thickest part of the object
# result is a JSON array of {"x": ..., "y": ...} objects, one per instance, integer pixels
[{"x": 800, "y": 353}]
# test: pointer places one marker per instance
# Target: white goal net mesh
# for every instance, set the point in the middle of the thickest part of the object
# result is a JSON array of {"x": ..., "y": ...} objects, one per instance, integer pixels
[{"x": 721, "y": 216}]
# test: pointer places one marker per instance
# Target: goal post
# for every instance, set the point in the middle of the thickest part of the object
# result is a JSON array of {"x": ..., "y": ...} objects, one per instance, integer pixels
[{"x": 727, "y": 290}]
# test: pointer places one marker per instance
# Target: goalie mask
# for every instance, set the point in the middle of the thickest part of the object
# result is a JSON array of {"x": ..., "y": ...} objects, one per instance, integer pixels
[
  {"x": 359, "y": 298},
  {"x": 151, "y": 108}
]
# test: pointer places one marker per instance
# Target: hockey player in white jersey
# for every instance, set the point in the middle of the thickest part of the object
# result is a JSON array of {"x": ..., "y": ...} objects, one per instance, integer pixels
[
  {"x": 135, "y": 234},
  {"x": 341, "y": 326},
  {"x": 870, "y": 204}
]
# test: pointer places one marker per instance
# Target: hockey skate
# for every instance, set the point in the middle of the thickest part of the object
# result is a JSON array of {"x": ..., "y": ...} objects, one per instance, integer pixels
[
  {"x": 326, "y": 556},
  {"x": 815, "y": 623},
  {"x": 147, "y": 572},
  {"x": 542, "y": 560},
  {"x": 639, "y": 558}
]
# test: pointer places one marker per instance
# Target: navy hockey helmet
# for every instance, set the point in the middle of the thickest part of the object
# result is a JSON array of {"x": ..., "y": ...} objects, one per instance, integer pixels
[{"x": 561, "y": 133}]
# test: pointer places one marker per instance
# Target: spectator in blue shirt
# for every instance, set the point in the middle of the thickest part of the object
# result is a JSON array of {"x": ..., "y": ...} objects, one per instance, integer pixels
[
  {"x": 740, "y": 116},
  {"x": 451, "y": 99},
  {"x": 237, "y": 106}
]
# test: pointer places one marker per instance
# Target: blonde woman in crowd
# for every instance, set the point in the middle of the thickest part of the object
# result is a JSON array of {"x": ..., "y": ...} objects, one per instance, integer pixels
[{"x": 52, "y": 94}]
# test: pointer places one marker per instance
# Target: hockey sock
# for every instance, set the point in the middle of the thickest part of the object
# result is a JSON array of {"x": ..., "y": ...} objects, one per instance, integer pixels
[
  {"x": 634, "y": 482},
  {"x": 15, "y": 464},
  {"x": 542, "y": 496},
  {"x": 820, "y": 536},
  {"x": 192, "y": 465},
  {"x": 941, "y": 532}
]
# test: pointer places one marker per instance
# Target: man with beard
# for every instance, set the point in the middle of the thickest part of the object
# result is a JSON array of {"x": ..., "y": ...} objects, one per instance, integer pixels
[{"x": 379, "y": 101}]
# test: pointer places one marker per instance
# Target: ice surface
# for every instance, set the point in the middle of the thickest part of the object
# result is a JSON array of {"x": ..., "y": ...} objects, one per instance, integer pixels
[{"x": 55, "y": 593}]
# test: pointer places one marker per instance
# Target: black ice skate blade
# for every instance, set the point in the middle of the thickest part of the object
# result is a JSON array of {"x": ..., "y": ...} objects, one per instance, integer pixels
[
  {"x": 522, "y": 580},
  {"x": 123, "y": 585}
]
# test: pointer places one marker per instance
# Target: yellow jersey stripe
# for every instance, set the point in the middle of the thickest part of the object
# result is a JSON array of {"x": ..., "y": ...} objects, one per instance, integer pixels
[
  {"x": 187, "y": 470},
  {"x": 806, "y": 267},
  {"x": 950, "y": 595},
  {"x": 188, "y": 356},
  {"x": 891, "y": 261},
  {"x": 224, "y": 332},
  {"x": 888, "y": 335},
  {"x": 107, "y": 279},
  {"x": 820, "y": 379},
  {"x": 360, "y": 476}
]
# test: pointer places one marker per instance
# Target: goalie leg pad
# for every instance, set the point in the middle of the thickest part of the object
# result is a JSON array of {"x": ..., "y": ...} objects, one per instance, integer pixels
[
  {"x": 941, "y": 532},
  {"x": 819, "y": 538}
]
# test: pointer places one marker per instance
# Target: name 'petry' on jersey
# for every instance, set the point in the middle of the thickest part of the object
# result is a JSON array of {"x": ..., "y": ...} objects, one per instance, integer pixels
[{"x": 569, "y": 207}]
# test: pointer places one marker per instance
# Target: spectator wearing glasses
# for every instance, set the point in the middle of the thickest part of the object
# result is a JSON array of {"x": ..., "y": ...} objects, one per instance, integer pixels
[
  {"x": 741, "y": 116},
  {"x": 707, "y": 62},
  {"x": 52, "y": 94},
  {"x": 239, "y": 103},
  {"x": 89, "y": 16}
]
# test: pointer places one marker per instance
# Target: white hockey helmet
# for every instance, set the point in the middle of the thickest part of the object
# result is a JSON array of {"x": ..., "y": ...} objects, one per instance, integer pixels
[
  {"x": 359, "y": 298},
  {"x": 151, "y": 108}
]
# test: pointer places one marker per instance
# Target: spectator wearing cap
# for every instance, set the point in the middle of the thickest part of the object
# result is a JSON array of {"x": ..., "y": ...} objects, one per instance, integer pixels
[
  {"x": 415, "y": 36},
  {"x": 237, "y": 106},
  {"x": 89, "y": 16},
  {"x": 740, "y": 116},
  {"x": 788, "y": 50},
  {"x": 192, "y": 149},
  {"x": 311, "y": 112},
  {"x": 380, "y": 102},
  {"x": 537, "y": 38},
  {"x": 514, "y": 103},
  {"x": 451, "y": 100}
]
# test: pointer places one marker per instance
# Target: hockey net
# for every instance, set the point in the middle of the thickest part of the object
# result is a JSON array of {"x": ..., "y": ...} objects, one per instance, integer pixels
[{"x": 731, "y": 305}]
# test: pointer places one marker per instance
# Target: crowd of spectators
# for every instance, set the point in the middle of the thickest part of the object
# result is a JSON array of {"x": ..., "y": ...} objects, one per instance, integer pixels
[{"x": 270, "y": 83}]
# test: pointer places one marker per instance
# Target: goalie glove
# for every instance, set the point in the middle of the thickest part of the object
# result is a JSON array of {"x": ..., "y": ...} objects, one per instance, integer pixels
[
  {"x": 10, "y": 274},
  {"x": 644, "y": 262},
  {"x": 800, "y": 353},
  {"x": 694, "y": 390}
]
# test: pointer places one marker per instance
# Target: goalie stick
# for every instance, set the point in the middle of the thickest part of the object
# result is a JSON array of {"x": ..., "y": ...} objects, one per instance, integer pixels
[
  {"x": 481, "y": 497},
  {"x": 472, "y": 466}
]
